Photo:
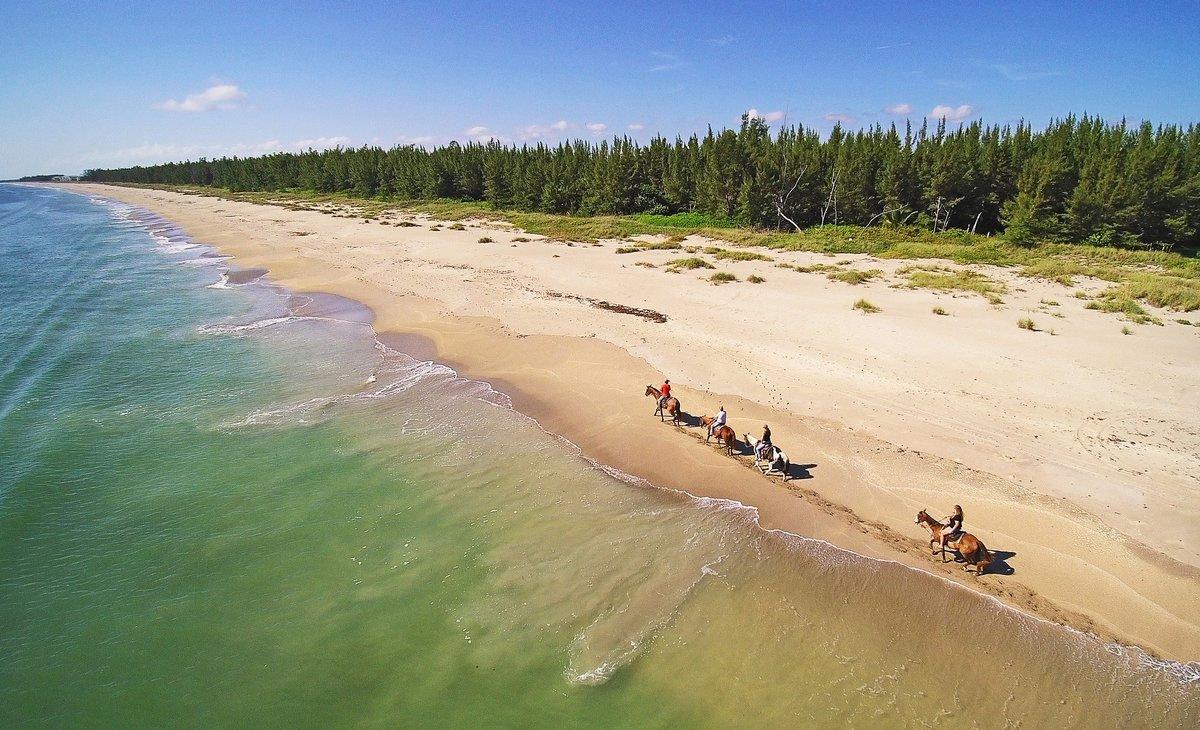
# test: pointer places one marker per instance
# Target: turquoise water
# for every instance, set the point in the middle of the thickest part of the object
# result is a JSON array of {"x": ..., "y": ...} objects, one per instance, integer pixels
[{"x": 221, "y": 503}]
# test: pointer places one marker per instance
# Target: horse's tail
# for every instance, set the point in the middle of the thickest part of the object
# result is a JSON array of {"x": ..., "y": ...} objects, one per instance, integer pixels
[{"x": 787, "y": 466}]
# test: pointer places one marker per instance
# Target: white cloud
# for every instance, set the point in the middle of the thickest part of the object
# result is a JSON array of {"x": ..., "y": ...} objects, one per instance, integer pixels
[
  {"x": 774, "y": 116},
  {"x": 724, "y": 40},
  {"x": 1022, "y": 72},
  {"x": 952, "y": 113},
  {"x": 536, "y": 131},
  {"x": 636, "y": 127},
  {"x": 155, "y": 152},
  {"x": 217, "y": 96},
  {"x": 899, "y": 109},
  {"x": 478, "y": 131},
  {"x": 322, "y": 143},
  {"x": 596, "y": 127},
  {"x": 843, "y": 118},
  {"x": 667, "y": 61}
]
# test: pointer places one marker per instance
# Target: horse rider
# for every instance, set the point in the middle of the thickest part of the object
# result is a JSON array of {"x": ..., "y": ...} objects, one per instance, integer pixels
[
  {"x": 718, "y": 420},
  {"x": 953, "y": 528},
  {"x": 666, "y": 393},
  {"x": 764, "y": 445}
]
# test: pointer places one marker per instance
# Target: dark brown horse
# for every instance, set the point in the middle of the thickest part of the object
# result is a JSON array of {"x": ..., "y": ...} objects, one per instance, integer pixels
[
  {"x": 672, "y": 406},
  {"x": 724, "y": 434},
  {"x": 971, "y": 548}
]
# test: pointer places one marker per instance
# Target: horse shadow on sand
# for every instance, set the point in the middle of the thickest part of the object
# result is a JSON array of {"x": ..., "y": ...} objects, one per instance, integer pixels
[{"x": 998, "y": 566}]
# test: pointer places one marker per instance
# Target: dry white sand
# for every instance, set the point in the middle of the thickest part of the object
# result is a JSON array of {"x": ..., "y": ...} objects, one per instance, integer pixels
[{"x": 1074, "y": 449}]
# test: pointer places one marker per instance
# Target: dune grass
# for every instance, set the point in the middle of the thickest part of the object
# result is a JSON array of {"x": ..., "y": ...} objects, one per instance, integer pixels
[
  {"x": 866, "y": 307},
  {"x": 755, "y": 279},
  {"x": 854, "y": 276},
  {"x": 724, "y": 254},
  {"x": 950, "y": 280},
  {"x": 1163, "y": 279},
  {"x": 1026, "y": 323},
  {"x": 722, "y": 277},
  {"x": 692, "y": 262}
]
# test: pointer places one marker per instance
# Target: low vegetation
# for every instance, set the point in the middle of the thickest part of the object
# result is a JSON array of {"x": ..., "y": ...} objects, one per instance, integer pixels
[
  {"x": 722, "y": 277},
  {"x": 1160, "y": 278},
  {"x": 755, "y": 279},
  {"x": 722, "y": 254},
  {"x": 866, "y": 307},
  {"x": 1026, "y": 323},
  {"x": 692, "y": 262},
  {"x": 486, "y": 239},
  {"x": 952, "y": 280},
  {"x": 939, "y": 311},
  {"x": 1117, "y": 302},
  {"x": 854, "y": 276}
]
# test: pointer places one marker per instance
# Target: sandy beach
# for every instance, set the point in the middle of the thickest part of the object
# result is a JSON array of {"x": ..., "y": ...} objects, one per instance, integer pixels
[{"x": 1073, "y": 448}]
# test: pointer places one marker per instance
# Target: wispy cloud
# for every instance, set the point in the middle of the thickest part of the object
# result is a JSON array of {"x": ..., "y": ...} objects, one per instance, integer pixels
[
  {"x": 537, "y": 131},
  {"x": 480, "y": 133},
  {"x": 154, "y": 152},
  {"x": 893, "y": 45},
  {"x": 841, "y": 118},
  {"x": 899, "y": 110},
  {"x": 952, "y": 113},
  {"x": 1022, "y": 72},
  {"x": 596, "y": 128},
  {"x": 724, "y": 40},
  {"x": 636, "y": 127},
  {"x": 666, "y": 61},
  {"x": 768, "y": 117},
  {"x": 217, "y": 96},
  {"x": 322, "y": 143}
]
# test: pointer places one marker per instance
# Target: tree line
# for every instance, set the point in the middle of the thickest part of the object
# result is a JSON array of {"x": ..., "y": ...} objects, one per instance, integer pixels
[{"x": 1080, "y": 179}]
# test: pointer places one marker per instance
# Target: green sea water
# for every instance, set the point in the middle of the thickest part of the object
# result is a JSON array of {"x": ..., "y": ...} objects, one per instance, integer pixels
[{"x": 224, "y": 504}]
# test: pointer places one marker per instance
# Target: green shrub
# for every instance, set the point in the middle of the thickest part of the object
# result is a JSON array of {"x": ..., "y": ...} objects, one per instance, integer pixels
[
  {"x": 722, "y": 254},
  {"x": 1026, "y": 323},
  {"x": 722, "y": 277},
  {"x": 854, "y": 276},
  {"x": 866, "y": 307},
  {"x": 692, "y": 262}
]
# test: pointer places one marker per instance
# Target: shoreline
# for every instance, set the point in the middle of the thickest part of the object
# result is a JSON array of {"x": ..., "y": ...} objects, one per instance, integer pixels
[{"x": 542, "y": 374}]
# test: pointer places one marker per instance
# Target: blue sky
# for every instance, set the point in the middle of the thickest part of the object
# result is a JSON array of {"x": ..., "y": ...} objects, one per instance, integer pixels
[{"x": 115, "y": 83}]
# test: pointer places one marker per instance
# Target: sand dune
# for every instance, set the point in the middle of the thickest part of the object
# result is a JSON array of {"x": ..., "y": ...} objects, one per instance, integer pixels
[{"x": 1074, "y": 452}]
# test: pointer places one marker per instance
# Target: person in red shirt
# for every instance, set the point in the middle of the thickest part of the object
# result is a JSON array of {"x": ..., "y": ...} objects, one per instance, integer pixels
[{"x": 666, "y": 393}]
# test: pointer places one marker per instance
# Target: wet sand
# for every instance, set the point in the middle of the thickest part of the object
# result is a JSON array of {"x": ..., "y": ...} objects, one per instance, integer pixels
[{"x": 1072, "y": 466}]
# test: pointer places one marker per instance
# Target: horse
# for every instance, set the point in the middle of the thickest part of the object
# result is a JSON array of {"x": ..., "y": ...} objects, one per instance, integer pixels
[
  {"x": 775, "y": 460},
  {"x": 971, "y": 548},
  {"x": 672, "y": 405},
  {"x": 723, "y": 434}
]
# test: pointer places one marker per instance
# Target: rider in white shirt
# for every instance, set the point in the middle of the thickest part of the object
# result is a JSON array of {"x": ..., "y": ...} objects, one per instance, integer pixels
[{"x": 719, "y": 420}]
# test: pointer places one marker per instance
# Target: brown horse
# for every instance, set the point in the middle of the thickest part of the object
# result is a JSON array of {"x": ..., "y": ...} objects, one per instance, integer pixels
[
  {"x": 672, "y": 405},
  {"x": 724, "y": 434},
  {"x": 971, "y": 548}
]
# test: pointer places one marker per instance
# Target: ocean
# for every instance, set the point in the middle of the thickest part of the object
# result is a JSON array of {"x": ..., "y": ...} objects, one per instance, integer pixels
[{"x": 223, "y": 503}]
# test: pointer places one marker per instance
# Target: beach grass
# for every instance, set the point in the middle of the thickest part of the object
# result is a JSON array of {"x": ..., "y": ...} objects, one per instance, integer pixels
[
  {"x": 866, "y": 307},
  {"x": 1160, "y": 278},
  {"x": 692, "y": 262},
  {"x": 854, "y": 276}
]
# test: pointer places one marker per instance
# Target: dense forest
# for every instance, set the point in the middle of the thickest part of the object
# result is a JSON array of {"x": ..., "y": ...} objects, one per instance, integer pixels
[{"x": 1078, "y": 180}]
